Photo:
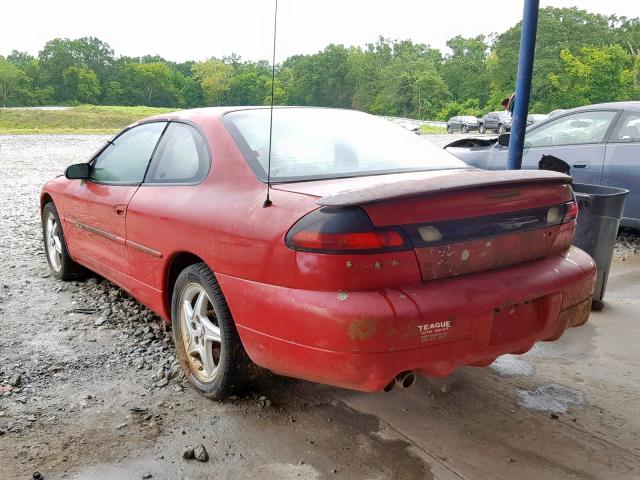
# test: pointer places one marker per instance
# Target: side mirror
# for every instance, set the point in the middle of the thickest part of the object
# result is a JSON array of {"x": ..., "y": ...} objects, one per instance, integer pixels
[
  {"x": 79, "y": 171},
  {"x": 503, "y": 139}
]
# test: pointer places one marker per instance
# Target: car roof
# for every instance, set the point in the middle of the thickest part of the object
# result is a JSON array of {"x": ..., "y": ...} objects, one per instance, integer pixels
[
  {"x": 195, "y": 114},
  {"x": 631, "y": 105}
]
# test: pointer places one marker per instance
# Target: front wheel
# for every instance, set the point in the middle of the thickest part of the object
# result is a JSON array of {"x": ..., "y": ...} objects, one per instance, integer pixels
[
  {"x": 207, "y": 342},
  {"x": 481, "y": 129},
  {"x": 465, "y": 129},
  {"x": 60, "y": 263},
  {"x": 501, "y": 129}
]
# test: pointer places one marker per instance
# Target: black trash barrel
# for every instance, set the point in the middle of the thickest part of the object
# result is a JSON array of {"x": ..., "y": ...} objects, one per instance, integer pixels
[{"x": 599, "y": 213}]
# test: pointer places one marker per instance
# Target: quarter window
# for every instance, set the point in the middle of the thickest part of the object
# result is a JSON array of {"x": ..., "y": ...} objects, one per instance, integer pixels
[
  {"x": 630, "y": 129},
  {"x": 579, "y": 128},
  {"x": 125, "y": 160},
  {"x": 182, "y": 156}
]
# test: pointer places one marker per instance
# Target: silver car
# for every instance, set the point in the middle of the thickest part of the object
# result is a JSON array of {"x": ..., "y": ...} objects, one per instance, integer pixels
[{"x": 600, "y": 143}]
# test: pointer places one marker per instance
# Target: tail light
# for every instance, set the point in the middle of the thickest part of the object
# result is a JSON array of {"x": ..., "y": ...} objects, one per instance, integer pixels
[
  {"x": 570, "y": 212},
  {"x": 343, "y": 230}
]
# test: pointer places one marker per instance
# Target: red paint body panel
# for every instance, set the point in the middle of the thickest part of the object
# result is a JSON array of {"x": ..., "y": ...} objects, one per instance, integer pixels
[
  {"x": 351, "y": 320},
  {"x": 485, "y": 254},
  {"x": 364, "y": 340}
]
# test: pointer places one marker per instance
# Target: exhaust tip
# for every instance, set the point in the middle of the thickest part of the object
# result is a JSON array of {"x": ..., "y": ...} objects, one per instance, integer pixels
[
  {"x": 389, "y": 386},
  {"x": 406, "y": 379}
]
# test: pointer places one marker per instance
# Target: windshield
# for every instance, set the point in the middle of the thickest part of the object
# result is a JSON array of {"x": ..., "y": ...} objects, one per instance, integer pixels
[{"x": 318, "y": 143}]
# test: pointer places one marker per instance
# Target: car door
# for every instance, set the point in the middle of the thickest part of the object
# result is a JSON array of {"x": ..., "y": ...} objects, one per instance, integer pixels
[
  {"x": 622, "y": 164},
  {"x": 576, "y": 138},
  {"x": 97, "y": 208},
  {"x": 165, "y": 212}
]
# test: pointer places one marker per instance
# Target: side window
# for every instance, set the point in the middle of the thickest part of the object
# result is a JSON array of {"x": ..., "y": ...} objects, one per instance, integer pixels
[
  {"x": 182, "y": 156},
  {"x": 579, "y": 128},
  {"x": 126, "y": 159},
  {"x": 629, "y": 130}
]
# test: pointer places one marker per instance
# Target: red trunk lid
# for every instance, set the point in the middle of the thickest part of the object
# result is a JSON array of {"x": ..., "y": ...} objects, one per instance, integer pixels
[{"x": 461, "y": 221}]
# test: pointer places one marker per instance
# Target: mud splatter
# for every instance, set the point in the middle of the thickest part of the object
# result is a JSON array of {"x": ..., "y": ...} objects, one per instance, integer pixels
[
  {"x": 508, "y": 365},
  {"x": 363, "y": 329},
  {"x": 342, "y": 296},
  {"x": 551, "y": 398}
]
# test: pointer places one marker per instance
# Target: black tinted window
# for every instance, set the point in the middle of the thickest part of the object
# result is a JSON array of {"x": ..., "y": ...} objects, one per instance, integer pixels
[
  {"x": 182, "y": 156},
  {"x": 125, "y": 160}
]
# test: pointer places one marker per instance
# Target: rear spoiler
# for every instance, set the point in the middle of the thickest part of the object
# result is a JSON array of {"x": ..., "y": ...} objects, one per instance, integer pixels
[{"x": 452, "y": 180}]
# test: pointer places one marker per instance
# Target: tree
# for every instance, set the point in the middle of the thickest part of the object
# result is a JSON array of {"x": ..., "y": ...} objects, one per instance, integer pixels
[
  {"x": 10, "y": 76},
  {"x": 60, "y": 54},
  {"x": 595, "y": 75},
  {"x": 558, "y": 29},
  {"x": 465, "y": 69},
  {"x": 430, "y": 93},
  {"x": 114, "y": 94},
  {"x": 81, "y": 84},
  {"x": 214, "y": 76},
  {"x": 470, "y": 106},
  {"x": 321, "y": 79},
  {"x": 191, "y": 93},
  {"x": 152, "y": 84}
]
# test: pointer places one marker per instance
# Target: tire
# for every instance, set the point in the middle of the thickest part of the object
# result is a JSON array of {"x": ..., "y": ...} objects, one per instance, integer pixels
[
  {"x": 206, "y": 339},
  {"x": 55, "y": 246},
  {"x": 465, "y": 129},
  {"x": 481, "y": 129},
  {"x": 501, "y": 129}
]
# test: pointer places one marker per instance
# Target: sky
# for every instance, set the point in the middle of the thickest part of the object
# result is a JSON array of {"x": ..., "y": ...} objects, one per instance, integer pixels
[{"x": 199, "y": 29}]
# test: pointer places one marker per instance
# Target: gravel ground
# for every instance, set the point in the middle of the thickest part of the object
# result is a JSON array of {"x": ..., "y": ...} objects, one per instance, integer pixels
[{"x": 90, "y": 388}]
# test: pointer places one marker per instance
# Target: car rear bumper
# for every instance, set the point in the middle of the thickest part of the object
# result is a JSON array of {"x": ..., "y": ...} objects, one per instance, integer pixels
[{"x": 362, "y": 340}]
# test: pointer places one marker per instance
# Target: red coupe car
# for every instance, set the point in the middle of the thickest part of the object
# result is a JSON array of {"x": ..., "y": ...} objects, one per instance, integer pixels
[{"x": 380, "y": 257}]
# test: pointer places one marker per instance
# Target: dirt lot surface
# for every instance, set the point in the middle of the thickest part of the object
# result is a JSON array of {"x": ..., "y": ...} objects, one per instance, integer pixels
[{"x": 89, "y": 387}]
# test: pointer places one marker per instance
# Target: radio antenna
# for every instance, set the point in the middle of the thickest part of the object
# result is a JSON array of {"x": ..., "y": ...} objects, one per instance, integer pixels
[{"x": 267, "y": 202}]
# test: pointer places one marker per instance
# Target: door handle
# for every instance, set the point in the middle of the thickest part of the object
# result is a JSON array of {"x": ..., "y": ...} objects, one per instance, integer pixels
[
  {"x": 120, "y": 210},
  {"x": 581, "y": 165}
]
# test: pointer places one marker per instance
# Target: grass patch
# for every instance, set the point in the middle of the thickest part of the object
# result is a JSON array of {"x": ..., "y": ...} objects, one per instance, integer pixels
[
  {"x": 430, "y": 129},
  {"x": 83, "y": 119}
]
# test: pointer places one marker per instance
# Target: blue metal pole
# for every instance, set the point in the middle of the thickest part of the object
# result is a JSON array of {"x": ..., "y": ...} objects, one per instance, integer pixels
[{"x": 523, "y": 83}]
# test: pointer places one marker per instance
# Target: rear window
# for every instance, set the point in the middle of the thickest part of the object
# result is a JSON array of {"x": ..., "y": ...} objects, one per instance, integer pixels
[{"x": 317, "y": 143}]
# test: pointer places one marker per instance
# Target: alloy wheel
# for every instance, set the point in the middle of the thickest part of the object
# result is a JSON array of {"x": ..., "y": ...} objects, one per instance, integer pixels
[
  {"x": 200, "y": 332},
  {"x": 53, "y": 242}
]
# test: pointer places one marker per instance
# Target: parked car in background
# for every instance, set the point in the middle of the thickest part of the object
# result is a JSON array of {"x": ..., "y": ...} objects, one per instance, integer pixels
[
  {"x": 535, "y": 118},
  {"x": 462, "y": 124},
  {"x": 499, "y": 122},
  {"x": 600, "y": 143},
  {"x": 379, "y": 256}
]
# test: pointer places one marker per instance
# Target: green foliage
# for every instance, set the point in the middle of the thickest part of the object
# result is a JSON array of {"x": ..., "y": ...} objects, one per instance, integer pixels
[
  {"x": 465, "y": 70},
  {"x": 595, "y": 75},
  {"x": 82, "y": 119},
  {"x": 151, "y": 84},
  {"x": 470, "y": 106},
  {"x": 214, "y": 76},
  {"x": 81, "y": 84},
  {"x": 10, "y": 78},
  {"x": 581, "y": 58}
]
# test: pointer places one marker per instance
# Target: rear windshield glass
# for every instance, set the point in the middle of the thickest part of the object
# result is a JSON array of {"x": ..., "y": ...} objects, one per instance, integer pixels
[{"x": 317, "y": 143}]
